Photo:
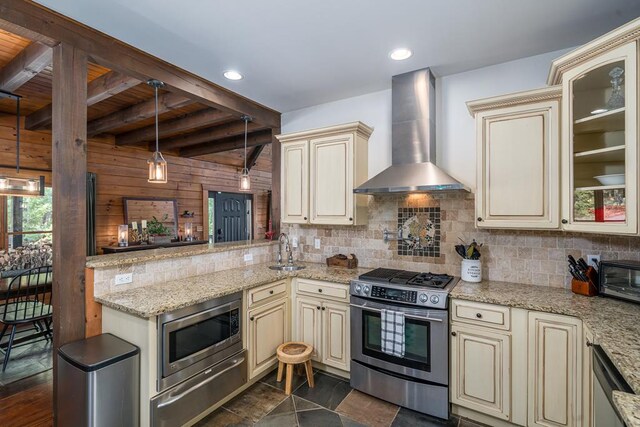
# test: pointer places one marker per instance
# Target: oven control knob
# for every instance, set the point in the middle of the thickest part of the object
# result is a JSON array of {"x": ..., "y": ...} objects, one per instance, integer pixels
[
  {"x": 358, "y": 288},
  {"x": 366, "y": 289},
  {"x": 434, "y": 299},
  {"x": 423, "y": 298}
]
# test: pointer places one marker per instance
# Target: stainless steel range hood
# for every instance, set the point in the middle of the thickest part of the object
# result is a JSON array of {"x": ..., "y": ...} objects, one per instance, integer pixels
[{"x": 413, "y": 140}]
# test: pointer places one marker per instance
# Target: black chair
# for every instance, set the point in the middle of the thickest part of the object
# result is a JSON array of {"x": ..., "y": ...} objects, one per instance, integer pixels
[{"x": 27, "y": 300}]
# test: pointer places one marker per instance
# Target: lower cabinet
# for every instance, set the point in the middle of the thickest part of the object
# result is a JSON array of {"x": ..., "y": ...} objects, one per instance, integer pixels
[
  {"x": 481, "y": 363},
  {"x": 555, "y": 370},
  {"x": 307, "y": 326},
  {"x": 268, "y": 328}
]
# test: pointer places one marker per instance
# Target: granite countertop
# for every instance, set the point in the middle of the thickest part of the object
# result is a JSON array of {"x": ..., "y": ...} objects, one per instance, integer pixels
[
  {"x": 615, "y": 324},
  {"x": 160, "y": 298},
  {"x": 135, "y": 257},
  {"x": 629, "y": 407}
]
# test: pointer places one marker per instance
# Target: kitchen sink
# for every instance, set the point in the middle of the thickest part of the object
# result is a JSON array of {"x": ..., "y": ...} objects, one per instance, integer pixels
[{"x": 287, "y": 267}]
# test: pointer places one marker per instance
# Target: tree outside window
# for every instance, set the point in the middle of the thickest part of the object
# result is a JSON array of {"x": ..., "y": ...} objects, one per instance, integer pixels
[{"x": 28, "y": 219}]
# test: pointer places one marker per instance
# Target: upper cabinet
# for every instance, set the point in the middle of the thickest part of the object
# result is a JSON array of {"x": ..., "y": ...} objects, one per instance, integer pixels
[
  {"x": 320, "y": 169},
  {"x": 518, "y": 160},
  {"x": 600, "y": 161}
]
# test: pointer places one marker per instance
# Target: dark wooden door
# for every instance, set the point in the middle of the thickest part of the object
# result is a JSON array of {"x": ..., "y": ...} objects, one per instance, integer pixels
[{"x": 230, "y": 217}]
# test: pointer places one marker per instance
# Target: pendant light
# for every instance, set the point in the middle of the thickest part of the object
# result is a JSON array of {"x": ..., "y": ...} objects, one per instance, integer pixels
[
  {"x": 245, "y": 180},
  {"x": 157, "y": 163},
  {"x": 14, "y": 186}
]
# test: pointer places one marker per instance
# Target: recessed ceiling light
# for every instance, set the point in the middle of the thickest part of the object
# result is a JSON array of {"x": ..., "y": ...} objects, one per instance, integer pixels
[
  {"x": 233, "y": 75},
  {"x": 400, "y": 54}
]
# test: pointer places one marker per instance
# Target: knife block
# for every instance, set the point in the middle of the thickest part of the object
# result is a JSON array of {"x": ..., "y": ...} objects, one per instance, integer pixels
[{"x": 589, "y": 288}]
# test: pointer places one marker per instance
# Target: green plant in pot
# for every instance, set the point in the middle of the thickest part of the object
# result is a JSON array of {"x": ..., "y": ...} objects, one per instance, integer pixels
[{"x": 160, "y": 232}]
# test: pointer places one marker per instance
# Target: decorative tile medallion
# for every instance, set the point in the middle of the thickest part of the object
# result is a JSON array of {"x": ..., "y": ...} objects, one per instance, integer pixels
[{"x": 419, "y": 232}]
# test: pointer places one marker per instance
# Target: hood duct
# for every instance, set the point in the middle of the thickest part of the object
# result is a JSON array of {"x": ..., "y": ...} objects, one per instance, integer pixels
[{"x": 413, "y": 140}]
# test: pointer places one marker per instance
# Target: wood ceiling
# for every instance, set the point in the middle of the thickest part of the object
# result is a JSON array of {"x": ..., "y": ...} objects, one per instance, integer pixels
[{"x": 124, "y": 106}]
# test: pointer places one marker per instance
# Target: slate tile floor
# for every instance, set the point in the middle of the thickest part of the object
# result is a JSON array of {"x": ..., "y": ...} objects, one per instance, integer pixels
[
  {"x": 26, "y": 360},
  {"x": 331, "y": 403}
]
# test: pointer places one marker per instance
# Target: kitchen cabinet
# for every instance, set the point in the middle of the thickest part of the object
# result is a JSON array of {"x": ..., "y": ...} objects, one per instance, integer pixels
[
  {"x": 320, "y": 169},
  {"x": 599, "y": 143},
  {"x": 268, "y": 328},
  {"x": 518, "y": 160},
  {"x": 322, "y": 320},
  {"x": 481, "y": 370},
  {"x": 587, "y": 379},
  {"x": 555, "y": 370}
]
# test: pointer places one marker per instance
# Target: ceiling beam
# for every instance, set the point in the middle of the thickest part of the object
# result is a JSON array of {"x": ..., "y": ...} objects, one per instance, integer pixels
[
  {"x": 227, "y": 144},
  {"x": 253, "y": 157},
  {"x": 208, "y": 135},
  {"x": 175, "y": 126},
  {"x": 117, "y": 55},
  {"x": 26, "y": 65},
  {"x": 137, "y": 112},
  {"x": 99, "y": 89}
]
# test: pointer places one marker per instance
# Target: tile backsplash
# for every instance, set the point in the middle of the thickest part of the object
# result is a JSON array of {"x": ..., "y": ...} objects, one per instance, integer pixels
[{"x": 531, "y": 257}]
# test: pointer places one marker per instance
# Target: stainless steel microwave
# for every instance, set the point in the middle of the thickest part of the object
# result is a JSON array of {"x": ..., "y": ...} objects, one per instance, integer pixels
[{"x": 620, "y": 279}]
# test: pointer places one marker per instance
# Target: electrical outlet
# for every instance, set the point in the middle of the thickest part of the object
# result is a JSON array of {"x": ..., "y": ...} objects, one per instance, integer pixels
[
  {"x": 248, "y": 257},
  {"x": 593, "y": 261},
  {"x": 294, "y": 242},
  {"x": 316, "y": 244},
  {"x": 199, "y": 228},
  {"x": 122, "y": 279}
]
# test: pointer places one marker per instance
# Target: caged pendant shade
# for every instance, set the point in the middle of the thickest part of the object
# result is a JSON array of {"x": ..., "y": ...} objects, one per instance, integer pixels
[
  {"x": 245, "y": 180},
  {"x": 157, "y": 164}
]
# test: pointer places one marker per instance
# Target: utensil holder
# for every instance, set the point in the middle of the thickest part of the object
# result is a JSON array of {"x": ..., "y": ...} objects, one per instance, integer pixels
[
  {"x": 471, "y": 270},
  {"x": 588, "y": 288}
]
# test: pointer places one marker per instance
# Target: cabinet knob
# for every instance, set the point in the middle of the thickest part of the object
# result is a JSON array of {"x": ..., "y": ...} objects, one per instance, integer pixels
[
  {"x": 271, "y": 291},
  {"x": 318, "y": 307},
  {"x": 589, "y": 344},
  {"x": 305, "y": 218},
  {"x": 320, "y": 290},
  {"x": 251, "y": 318},
  {"x": 350, "y": 219},
  {"x": 479, "y": 219},
  {"x": 479, "y": 315},
  {"x": 453, "y": 334},
  {"x": 564, "y": 221},
  {"x": 324, "y": 308}
]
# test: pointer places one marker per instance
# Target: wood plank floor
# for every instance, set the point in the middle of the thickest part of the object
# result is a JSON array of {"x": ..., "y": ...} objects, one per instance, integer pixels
[{"x": 28, "y": 402}]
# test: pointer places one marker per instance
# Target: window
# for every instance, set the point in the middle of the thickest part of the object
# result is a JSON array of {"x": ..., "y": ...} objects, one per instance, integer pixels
[{"x": 28, "y": 219}]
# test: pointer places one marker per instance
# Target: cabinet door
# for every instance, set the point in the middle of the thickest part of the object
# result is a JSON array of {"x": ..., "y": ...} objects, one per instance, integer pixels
[
  {"x": 295, "y": 184},
  {"x": 555, "y": 370},
  {"x": 599, "y": 144},
  {"x": 335, "y": 339},
  {"x": 308, "y": 325},
  {"x": 331, "y": 179},
  {"x": 587, "y": 379},
  {"x": 268, "y": 328},
  {"x": 519, "y": 167},
  {"x": 480, "y": 370}
]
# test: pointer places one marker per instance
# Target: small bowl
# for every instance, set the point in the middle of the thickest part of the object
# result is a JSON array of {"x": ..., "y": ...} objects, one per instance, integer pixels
[{"x": 613, "y": 179}]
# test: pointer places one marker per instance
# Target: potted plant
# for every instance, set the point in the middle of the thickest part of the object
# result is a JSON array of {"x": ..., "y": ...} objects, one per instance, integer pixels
[{"x": 158, "y": 232}]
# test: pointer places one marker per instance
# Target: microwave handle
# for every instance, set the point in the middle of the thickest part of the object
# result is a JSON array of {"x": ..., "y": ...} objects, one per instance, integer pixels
[
  {"x": 366, "y": 307},
  {"x": 177, "y": 397}
]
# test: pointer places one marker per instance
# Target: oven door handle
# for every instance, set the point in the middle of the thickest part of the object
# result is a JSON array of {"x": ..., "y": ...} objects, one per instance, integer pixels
[
  {"x": 410, "y": 316},
  {"x": 177, "y": 397}
]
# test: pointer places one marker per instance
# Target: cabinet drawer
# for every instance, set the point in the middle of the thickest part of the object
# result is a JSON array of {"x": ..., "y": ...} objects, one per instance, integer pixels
[
  {"x": 267, "y": 291},
  {"x": 489, "y": 315},
  {"x": 323, "y": 289}
]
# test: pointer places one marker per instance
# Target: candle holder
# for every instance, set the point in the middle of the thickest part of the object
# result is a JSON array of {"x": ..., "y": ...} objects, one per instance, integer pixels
[
  {"x": 123, "y": 235},
  {"x": 188, "y": 231}
]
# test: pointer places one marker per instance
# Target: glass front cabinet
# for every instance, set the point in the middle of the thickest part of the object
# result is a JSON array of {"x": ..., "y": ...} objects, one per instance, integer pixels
[{"x": 599, "y": 143}]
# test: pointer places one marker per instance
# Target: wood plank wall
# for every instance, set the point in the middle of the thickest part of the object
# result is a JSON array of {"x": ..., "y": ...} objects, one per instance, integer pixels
[{"x": 122, "y": 172}]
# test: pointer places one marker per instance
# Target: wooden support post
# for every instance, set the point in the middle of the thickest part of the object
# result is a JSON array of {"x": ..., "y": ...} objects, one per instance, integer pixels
[
  {"x": 275, "y": 181},
  {"x": 69, "y": 177}
]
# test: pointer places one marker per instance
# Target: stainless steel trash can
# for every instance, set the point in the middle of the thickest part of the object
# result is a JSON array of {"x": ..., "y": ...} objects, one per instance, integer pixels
[{"x": 99, "y": 383}]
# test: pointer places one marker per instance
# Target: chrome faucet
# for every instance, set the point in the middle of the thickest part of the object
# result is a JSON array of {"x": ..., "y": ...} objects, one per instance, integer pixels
[{"x": 287, "y": 248}]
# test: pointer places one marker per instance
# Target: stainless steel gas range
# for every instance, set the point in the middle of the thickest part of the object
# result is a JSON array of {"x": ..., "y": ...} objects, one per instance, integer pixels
[{"x": 418, "y": 379}]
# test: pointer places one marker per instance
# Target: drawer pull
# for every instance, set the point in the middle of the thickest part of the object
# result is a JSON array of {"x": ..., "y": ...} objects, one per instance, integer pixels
[
  {"x": 479, "y": 315},
  {"x": 271, "y": 291},
  {"x": 320, "y": 290}
]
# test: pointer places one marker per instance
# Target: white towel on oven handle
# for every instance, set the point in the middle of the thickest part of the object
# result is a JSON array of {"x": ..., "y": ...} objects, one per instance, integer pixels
[{"x": 392, "y": 332}]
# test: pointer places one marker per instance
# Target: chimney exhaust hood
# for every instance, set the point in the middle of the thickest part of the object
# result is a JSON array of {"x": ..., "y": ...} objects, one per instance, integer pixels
[{"x": 413, "y": 140}]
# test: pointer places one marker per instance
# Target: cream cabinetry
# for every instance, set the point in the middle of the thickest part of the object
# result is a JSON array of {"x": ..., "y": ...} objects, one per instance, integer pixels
[
  {"x": 320, "y": 169},
  {"x": 480, "y": 364},
  {"x": 268, "y": 320},
  {"x": 518, "y": 160},
  {"x": 555, "y": 370},
  {"x": 321, "y": 318}
]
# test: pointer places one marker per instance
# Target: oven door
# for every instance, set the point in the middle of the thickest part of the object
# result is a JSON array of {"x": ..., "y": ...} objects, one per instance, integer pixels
[
  {"x": 189, "y": 339},
  {"x": 426, "y": 340}
]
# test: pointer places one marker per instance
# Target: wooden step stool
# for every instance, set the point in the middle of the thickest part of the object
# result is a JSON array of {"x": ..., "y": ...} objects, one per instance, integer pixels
[{"x": 294, "y": 353}]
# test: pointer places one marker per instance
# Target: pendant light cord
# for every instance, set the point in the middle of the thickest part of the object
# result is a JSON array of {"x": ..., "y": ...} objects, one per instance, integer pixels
[
  {"x": 246, "y": 128},
  {"x": 157, "y": 133}
]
